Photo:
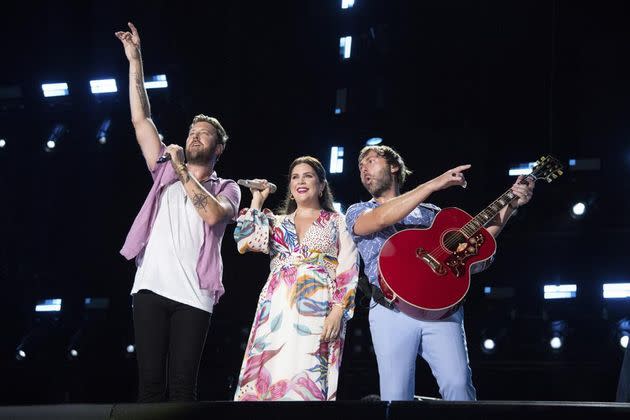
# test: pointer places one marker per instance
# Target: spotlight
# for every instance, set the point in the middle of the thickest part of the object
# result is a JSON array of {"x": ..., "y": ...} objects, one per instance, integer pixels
[
  {"x": 20, "y": 354},
  {"x": 131, "y": 348},
  {"x": 74, "y": 353},
  {"x": 48, "y": 305},
  {"x": 521, "y": 169},
  {"x": 103, "y": 86},
  {"x": 336, "y": 159},
  {"x": 3, "y": 143},
  {"x": 616, "y": 290},
  {"x": 374, "y": 141},
  {"x": 101, "y": 134},
  {"x": 558, "y": 333},
  {"x": 488, "y": 345},
  {"x": 560, "y": 291},
  {"x": 156, "y": 82},
  {"x": 345, "y": 47},
  {"x": 57, "y": 132},
  {"x": 578, "y": 210},
  {"x": 55, "y": 89},
  {"x": 556, "y": 343},
  {"x": 623, "y": 341},
  {"x": 346, "y": 4},
  {"x": 341, "y": 99}
]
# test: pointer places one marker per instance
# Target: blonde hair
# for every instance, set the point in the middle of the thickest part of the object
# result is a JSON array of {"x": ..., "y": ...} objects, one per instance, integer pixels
[{"x": 223, "y": 137}]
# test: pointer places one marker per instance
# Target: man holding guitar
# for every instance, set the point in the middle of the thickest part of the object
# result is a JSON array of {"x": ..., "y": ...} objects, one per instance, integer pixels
[{"x": 398, "y": 338}]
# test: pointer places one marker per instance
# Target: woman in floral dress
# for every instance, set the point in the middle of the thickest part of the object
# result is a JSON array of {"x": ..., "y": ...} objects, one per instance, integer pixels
[{"x": 296, "y": 341}]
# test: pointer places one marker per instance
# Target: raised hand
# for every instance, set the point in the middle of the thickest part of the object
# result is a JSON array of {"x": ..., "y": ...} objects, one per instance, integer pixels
[
  {"x": 131, "y": 42},
  {"x": 259, "y": 196},
  {"x": 450, "y": 178}
]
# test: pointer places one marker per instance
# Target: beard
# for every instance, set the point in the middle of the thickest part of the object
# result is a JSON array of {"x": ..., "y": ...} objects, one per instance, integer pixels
[
  {"x": 380, "y": 183},
  {"x": 200, "y": 156}
]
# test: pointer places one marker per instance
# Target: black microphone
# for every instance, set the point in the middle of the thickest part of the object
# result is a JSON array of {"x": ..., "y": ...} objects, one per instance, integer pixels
[
  {"x": 257, "y": 185},
  {"x": 164, "y": 158}
]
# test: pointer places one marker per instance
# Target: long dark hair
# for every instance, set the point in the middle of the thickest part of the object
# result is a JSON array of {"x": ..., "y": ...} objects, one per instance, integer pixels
[{"x": 289, "y": 205}]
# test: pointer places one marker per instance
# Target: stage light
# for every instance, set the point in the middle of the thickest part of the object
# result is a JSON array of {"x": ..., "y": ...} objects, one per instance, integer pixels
[
  {"x": 560, "y": 291},
  {"x": 336, "y": 160},
  {"x": 156, "y": 82},
  {"x": 101, "y": 134},
  {"x": 3, "y": 143},
  {"x": 103, "y": 86},
  {"x": 374, "y": 141},
  {"x": 340, "y": 101},
  {"x": 488, "y": 345},
  {"x": 55, "y": 135},
  {"x": 345, "y": 47},
  {"x": 74, "y": 353},
  {"x": 556, "y": 343},
  {"x": 20, "y": 354},
  {"x": 521, "y": 169},
  {"x": 55, "y": 89},
  {"x": 578, "y": 210},
  {"x": 623, "y": 341},
  {"x": 347, "y": 4},
  {"x": 48, "y": 305},
  {"x": 131, "y": 348},
  {"x": 337, "y": 207},
  {"x": 616, "y": 290},
  {"x": 558, "y": 330}
]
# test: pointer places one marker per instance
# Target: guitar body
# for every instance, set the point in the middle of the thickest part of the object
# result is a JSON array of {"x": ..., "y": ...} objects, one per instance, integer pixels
[{"x": 426, "y": 272}]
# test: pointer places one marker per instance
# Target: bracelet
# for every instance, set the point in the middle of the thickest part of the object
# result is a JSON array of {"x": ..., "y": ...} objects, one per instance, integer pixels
[{"x": 338, "y": 304}]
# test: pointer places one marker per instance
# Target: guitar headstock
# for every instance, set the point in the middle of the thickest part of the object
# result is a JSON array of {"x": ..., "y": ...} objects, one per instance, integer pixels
[{"x": 548, "y": 168}]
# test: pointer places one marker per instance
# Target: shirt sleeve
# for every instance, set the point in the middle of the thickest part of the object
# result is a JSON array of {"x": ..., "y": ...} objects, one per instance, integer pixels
[
  {"x": 352, "y": 214},
  {"x": 347, "y": 273},
  {"x": 253, "y": 230},
  {"x": 232, "y": 193}
]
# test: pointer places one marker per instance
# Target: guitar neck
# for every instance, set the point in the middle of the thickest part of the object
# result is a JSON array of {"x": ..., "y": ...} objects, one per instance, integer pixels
[{"x": 486, "y": 215}]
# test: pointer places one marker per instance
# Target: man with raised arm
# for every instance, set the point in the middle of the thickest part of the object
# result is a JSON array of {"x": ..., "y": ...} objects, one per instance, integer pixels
[
  {"x": 176, "y": 241},
  {"x": 398, "y": 338}
]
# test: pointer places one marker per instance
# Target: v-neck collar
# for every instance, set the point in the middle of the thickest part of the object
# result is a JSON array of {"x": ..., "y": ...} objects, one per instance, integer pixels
[{"x": 308, "y": 229}]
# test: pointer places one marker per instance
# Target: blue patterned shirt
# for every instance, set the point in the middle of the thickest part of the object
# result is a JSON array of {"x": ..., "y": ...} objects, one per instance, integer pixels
[{"x": 370, "y": 245}]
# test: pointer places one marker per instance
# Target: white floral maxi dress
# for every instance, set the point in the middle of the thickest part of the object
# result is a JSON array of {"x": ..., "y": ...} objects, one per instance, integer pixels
[{"x": 284, "y": 358}]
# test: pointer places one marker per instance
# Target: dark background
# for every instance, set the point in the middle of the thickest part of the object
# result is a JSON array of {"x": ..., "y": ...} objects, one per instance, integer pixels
[{"x": 490, "y": 83}]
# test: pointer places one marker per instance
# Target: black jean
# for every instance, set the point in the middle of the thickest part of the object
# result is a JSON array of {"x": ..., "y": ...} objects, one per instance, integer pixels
[{"x": 170, "y": 337}]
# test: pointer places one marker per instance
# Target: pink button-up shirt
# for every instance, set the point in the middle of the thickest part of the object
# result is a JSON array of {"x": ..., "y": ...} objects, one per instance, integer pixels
[{"x": 210, "y": 264}]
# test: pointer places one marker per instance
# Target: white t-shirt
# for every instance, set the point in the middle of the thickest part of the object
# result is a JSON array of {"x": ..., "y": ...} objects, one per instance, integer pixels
[{"x": 169, "y": 264}]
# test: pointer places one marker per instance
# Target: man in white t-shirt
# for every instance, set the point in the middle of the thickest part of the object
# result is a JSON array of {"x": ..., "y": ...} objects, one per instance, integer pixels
[{"x": 176, "y": 240}]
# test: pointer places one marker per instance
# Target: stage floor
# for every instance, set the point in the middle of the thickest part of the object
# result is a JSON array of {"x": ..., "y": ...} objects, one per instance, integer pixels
[{"x": 346, "y": 410}]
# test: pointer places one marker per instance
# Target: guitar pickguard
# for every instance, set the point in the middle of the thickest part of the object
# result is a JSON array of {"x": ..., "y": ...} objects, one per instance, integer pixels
[{"x": 464, "y": 250}]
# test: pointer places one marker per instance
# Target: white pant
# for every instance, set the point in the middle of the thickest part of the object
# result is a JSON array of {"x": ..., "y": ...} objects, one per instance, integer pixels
[{"x": 398, "y": 339}]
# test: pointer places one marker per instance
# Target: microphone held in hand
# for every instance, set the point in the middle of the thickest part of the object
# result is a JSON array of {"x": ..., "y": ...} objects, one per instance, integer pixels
[
  {"x": 164, "y": 158},
  {"x": 257, "y": 185}
]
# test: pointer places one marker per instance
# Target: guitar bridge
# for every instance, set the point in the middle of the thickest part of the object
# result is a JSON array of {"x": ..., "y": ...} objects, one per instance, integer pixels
[
  {"x": 437, "y": 267},
  {"x": 464, "y": 250}
]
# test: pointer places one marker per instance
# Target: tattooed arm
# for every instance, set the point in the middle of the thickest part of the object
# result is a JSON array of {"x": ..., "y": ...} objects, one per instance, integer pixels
[
  {"x": 211, "y": 209},
  {"x": 146, "y": 132}
]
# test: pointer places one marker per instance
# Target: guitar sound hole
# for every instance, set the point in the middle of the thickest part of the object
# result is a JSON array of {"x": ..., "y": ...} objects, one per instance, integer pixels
[{"x": 452, "y": 240}]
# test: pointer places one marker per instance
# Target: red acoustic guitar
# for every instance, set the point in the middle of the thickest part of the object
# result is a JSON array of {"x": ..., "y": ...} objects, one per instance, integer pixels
[{"x": 426, "y": 272}]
